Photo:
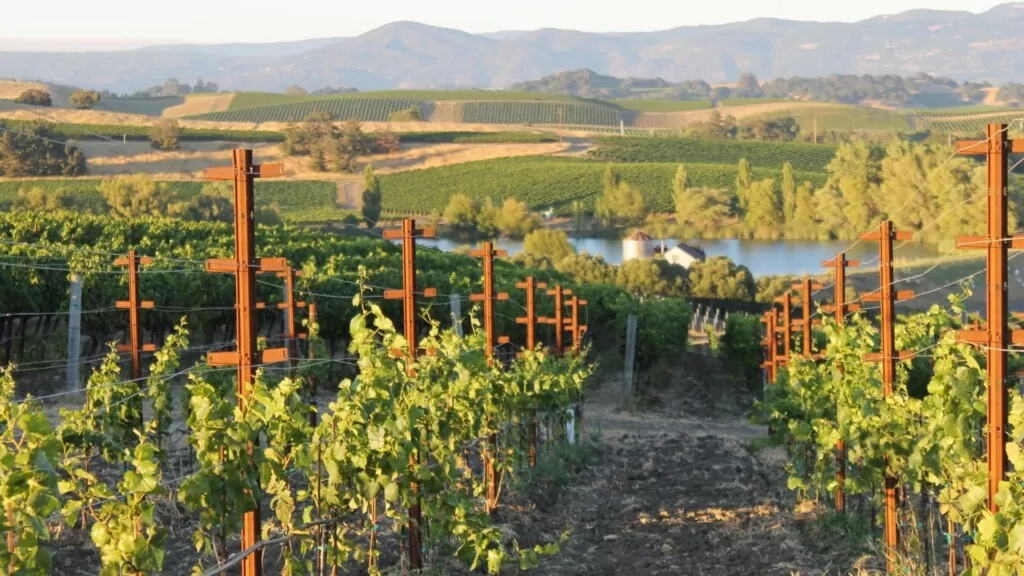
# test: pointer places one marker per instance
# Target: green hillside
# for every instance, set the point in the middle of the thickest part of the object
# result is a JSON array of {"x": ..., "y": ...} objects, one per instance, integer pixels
[
  {"x": 841, "y": 118},
  {"x": 550, "y": 182},
  {"x": 974, "y": 126},
  {"x": 803, "y": 157},
  {"x": 364, "y": 109},
  {"x": 509, "y": 112},
  {"x": 244, "y": 100},
  {"x": 662, "y": 105}
]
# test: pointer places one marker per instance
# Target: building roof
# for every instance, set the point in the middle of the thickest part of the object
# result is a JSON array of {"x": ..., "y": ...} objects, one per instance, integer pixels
[
  {"x": 638, "y": 235},
  {"x": 692, "y": 251}
]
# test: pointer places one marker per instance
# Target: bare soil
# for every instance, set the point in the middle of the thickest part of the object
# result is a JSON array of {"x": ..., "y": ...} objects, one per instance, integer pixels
[
  {"x": 199, "y": 105},
  {"x": 667, "y": 490},
  {"x": 110, "y": 158}
]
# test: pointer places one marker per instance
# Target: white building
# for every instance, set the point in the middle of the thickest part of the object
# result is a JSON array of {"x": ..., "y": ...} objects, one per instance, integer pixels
[
  {"x": 636, "y": 246},
  {"x": 684, "y": 255}
]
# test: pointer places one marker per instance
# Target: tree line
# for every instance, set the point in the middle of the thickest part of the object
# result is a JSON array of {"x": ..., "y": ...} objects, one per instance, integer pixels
[
  {"x": 911, "y": 183},
  {"x": 890, "y": 89},
  {"x": 35, "y": 149}
]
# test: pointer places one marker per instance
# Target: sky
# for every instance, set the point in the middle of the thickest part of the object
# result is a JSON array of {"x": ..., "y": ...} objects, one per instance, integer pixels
[{"x": 125, "y": 24}]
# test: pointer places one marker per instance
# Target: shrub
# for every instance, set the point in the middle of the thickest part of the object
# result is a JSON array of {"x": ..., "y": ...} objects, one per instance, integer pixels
[{"x": 34, "y": 97}]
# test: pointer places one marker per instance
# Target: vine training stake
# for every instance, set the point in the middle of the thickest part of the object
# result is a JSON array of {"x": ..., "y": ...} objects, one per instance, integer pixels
[
  {"x": 134, "y": 305},
  {"x": 244, "y": 266},
  {"x": 997, "y": 336},
  {"x": 488, "y": 297},
  {"x": 531, "y": 286},
  {"x": 889, "y": 358},
  {"x": 840, "y": 308},
  {"x": 407, "y": 295}
]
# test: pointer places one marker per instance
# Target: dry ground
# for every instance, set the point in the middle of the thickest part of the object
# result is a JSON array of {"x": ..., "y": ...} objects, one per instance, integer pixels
[
  {"x": 109, "y": 158},
  {"x": 10, "y": 89},
  {"x": 199, "y": 105}
]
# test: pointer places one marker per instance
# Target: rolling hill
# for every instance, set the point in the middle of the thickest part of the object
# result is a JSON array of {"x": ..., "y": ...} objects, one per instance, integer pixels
[{"x": 959, "y": 45}]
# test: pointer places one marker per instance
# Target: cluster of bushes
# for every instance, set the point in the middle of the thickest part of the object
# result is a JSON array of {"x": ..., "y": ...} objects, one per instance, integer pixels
[
  {"x": 331, "y": 148},
  {"x": 139, "y": 196},
  {"x": 33, "y": 149},
  {"x": 469, "y": 218}
]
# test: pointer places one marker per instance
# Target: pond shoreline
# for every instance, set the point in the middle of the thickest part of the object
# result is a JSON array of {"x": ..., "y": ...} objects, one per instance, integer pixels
[{"x": 762, "y": 257}]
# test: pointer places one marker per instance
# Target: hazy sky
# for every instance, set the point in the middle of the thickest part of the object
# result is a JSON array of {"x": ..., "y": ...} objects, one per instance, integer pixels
[{"x": 107, "y": 24}]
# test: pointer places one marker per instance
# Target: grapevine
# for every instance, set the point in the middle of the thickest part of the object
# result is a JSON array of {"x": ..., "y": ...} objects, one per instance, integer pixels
[{"x": 929, "y": 439}]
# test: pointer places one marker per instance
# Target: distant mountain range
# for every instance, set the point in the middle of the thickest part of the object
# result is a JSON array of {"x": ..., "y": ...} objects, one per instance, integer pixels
[{"x": 959, "y": 45}]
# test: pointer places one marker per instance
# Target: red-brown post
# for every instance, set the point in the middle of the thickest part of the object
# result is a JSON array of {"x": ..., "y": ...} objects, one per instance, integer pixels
[
  {"x": 488, "y": 297},
  {"x": 786, "y": 319},
  {"x": 770, "y": 344},
  {"x": 889, "y": 358},
  {"x": 244, "y": 266},
  {"x": 531, "y": 286},
  {"x": 407, "y": 294},
  {"x": 840, "y": 308},
  {"x": 806, "y": 322},
  {"x": 558, "y": 320},
  {"x": 133, "y": 304},
  {"x": 312, "y": 355},
  {"x": 575, "y": 328},
  {"x": 998, "y": 337}
]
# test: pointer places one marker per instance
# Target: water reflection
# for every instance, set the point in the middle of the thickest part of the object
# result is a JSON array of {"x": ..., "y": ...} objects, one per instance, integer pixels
[{"x": 762, "y": 257}]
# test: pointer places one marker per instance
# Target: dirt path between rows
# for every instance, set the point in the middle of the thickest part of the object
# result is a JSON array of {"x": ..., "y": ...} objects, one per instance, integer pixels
[{"x": 671, "y": 494}]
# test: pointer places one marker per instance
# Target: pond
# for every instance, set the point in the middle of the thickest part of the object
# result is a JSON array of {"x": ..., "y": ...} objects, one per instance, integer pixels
[{"x": 762, "y": 257}]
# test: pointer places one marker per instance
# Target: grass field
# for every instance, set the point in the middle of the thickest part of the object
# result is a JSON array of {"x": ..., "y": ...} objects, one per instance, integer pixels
[
  {"x": 550, "y": 182},
  {"x": 662, "y": 105},
  {"x": 300, "y": 201},
  {"x": 803, "y": 157},
  {"x": 841, "y": 118}
]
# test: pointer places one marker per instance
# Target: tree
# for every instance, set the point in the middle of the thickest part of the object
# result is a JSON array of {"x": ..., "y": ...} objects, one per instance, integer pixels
[
  {"x": 705, "y": 207},
  {"x": 34, "y": 149},
  {"x": 372, "y": 197},
  {"x": 171, "y": 87},
  {"x": 622, "y": 202},
  {"x": 719, "y": 278},
  {"x": 34, "y": 97},
  {"x": 164, "y": 134},
  {"x": 763, "y": 206},
  {"x": 646, "y": 277},
  {"x": 679, "y": 193},
  {"x": 38, "y": 199},
  {"x": 743, "y": 179},
  {"x": 136, "y": 196},
  {"x": 803, "y": 222},
  {"x": 552, "y": 244},
  {"x": 747, "y": 86},
  {"x": 486, "y": 218},
  {"x": 829, "y": 207},
  {"x": 295, "y": 90},
  {"x": 855, "y": 172},
  {"x": 206, "y": 207},
  {"x": 514, "y": 219},
  {"x": 460, "y": 214},
  {"x": 84, "y": 99},
  {"x": 587, "y": 269},
  {"x": 788, "y": 192},
  {"x": 411, "y": 114}
]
